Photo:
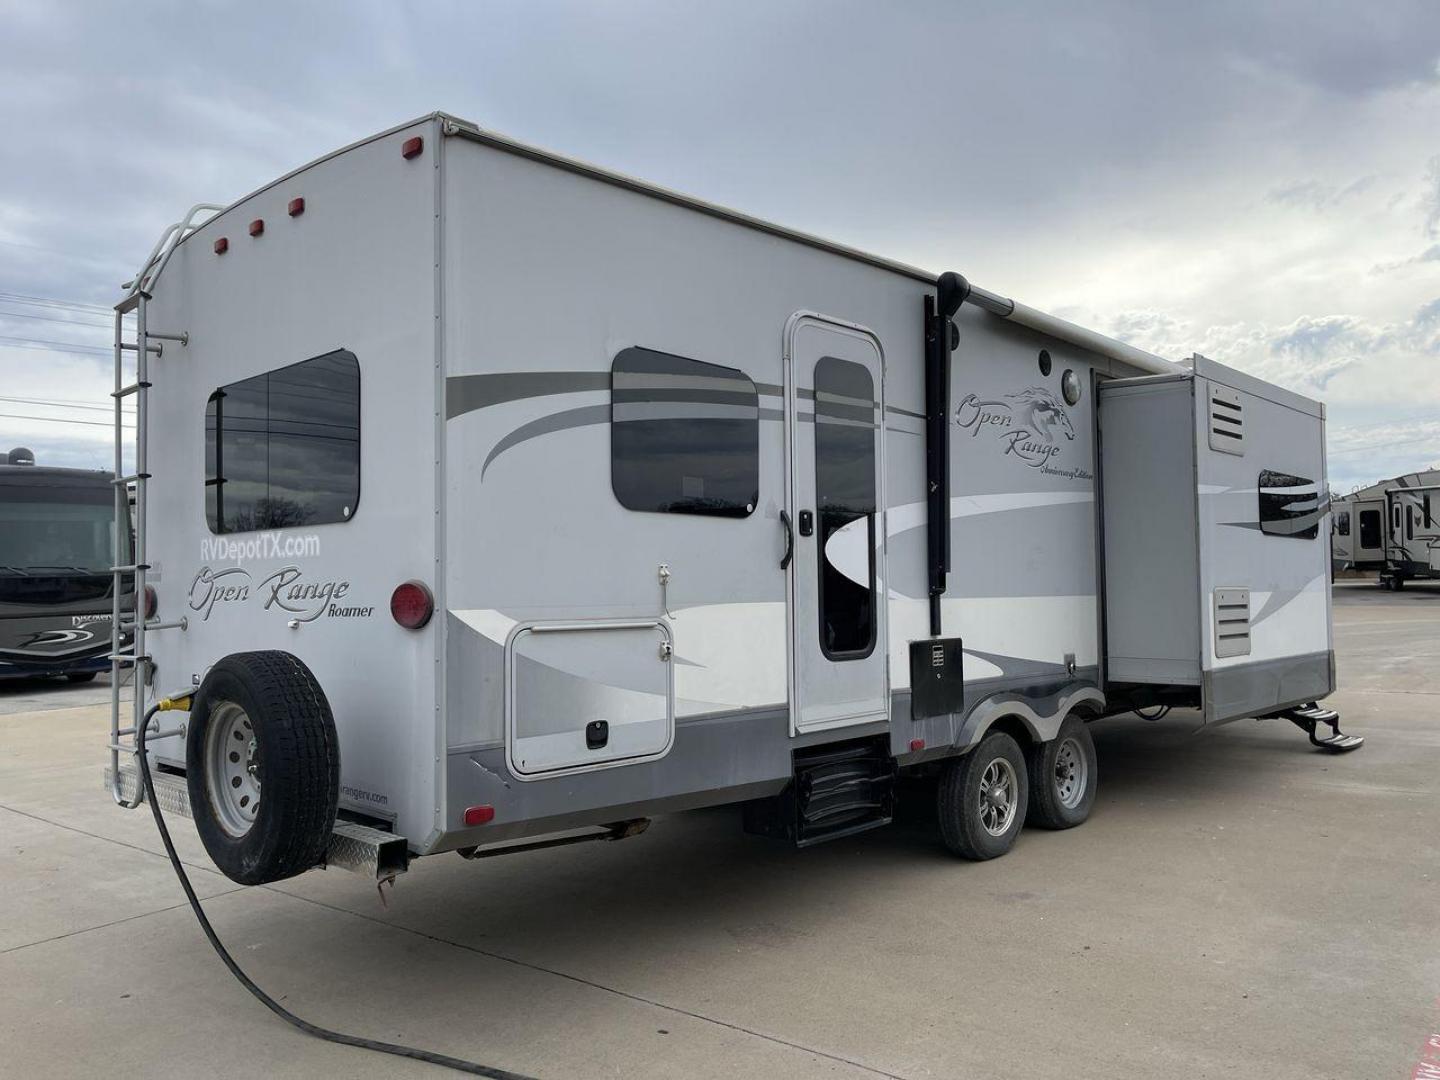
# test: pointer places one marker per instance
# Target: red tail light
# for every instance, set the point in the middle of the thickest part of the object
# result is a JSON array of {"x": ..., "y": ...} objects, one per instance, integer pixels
[
  {"x": 257, "y": 226},
  {"x": 479, "y": 815},
  {"x": 152, "y": 602},
  {"x": 222, "y": 245},
  {"x": 411, "y": 147},
  {"x": 296, "y": 208},
  {"x": 412, "y": 605}
]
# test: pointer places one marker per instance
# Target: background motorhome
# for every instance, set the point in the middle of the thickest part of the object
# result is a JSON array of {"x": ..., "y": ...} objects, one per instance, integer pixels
[
  {"x": 753, "y": 518},
  {"x": 58, "y": 541},
  {"x": 1392, "y": 527}
]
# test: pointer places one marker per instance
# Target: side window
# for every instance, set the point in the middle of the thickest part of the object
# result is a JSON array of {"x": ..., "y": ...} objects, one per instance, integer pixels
[
  {"x": 1342, "y": 523},
  {"x": 1289, "y": 505},
  {"x": 1369, "y": 528},
  {"x": 283, "y": 448},
  {"x": 684, "y": 435},
  {"x": 1395, "y": 518},
  {"x": 845, "y": 448}
]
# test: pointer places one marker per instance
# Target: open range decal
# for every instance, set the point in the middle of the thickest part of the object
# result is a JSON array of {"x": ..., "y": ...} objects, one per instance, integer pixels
[
  {"x": 1031, "y": 425},
  {"x": 285, "y": 590}
]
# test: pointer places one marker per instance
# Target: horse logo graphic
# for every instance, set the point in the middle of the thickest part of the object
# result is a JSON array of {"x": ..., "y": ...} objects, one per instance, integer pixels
[
  {"x": 1041, "y": 412},
  {"x": 1031, "y": 424}
]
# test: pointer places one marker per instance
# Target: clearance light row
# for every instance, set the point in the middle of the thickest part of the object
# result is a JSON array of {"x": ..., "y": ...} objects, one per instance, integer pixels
[{"x": 409, "y": 149}]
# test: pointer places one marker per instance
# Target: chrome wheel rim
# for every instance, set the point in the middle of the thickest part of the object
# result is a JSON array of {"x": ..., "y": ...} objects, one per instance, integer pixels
[
  {"x": 1072, "y": 774},
  {"x": 232, "y": 768},
  {"x": 997, "y": 797}
]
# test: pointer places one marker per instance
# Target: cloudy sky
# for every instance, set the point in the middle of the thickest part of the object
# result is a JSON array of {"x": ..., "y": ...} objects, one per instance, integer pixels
[{"x": 1257, "y": 181}]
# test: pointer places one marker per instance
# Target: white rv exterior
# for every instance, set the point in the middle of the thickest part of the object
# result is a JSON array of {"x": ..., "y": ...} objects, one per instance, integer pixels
[{"x": 592, "y": 417}]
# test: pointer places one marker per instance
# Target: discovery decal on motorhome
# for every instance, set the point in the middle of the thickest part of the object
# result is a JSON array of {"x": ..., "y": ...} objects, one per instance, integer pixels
[{"x": 750, "y": 518}]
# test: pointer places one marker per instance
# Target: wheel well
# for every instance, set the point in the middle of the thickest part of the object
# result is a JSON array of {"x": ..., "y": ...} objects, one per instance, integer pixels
[{"x": 1016, "y": 728}]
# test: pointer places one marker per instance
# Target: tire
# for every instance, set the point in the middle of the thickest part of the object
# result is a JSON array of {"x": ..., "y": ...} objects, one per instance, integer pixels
[
  {"x": 260, "y": 724},
  {"x": 81, "y": 676},
  {"x": 972, "y": 827},
  {"x": 1062, "y": 777}
]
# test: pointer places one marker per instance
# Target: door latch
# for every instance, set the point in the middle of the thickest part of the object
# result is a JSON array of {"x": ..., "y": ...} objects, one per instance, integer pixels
[{"x": 806, "y": 523}]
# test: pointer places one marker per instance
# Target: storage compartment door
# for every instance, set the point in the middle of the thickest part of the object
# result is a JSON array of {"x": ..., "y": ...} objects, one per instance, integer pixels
[{"x": 587, "y": 695}]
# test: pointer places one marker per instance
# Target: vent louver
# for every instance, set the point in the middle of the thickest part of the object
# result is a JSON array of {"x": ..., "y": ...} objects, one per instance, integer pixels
[
  {"x": 1227, "y": 421},
  {"x": 1232, "y": 622}
]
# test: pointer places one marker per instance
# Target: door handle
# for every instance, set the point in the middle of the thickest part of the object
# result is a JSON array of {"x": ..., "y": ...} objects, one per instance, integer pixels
[{"x": 789, "y": 540}]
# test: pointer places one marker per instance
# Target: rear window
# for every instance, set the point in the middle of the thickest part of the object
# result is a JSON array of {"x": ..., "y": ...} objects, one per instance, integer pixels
[{"x": 283, "y": 449}]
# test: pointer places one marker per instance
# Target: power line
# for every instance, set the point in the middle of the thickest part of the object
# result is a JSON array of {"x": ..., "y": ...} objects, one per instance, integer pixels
[
  {"x": 61, "y": 420},
  {"x": 45, "y": 345},
  {"x": 52, "y": 318},
  {"x": 48, "y": 301},
  {"x": 1384, "y": 445},
  {"x": 57, "y": 403}
]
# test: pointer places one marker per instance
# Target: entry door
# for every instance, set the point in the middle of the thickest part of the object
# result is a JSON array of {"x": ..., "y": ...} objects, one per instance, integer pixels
[
  {"x": 834, "y": 413},
  {"x": 1365, "y": 531}
]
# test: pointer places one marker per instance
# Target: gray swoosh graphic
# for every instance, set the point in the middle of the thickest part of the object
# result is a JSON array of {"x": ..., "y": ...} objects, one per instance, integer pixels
[{"x": 545, "y": 425}]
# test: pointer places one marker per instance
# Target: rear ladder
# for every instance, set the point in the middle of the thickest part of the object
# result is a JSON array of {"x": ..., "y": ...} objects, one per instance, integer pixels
[{"x": 146, "y": 343}]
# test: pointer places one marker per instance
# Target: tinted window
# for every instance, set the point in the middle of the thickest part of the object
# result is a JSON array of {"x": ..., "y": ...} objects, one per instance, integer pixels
[
  {"x": 684, "y": 435},
  {"x": 1342, "y": 523},
  {"x": 845, "y": 434},
  {"x": 1289, "y": 505},
  {"x": 1369, "y": 528},
  {"x": 283, "y": 448}
]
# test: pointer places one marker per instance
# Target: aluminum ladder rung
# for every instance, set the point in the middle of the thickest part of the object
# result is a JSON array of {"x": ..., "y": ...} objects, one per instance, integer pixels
[
  {"x": 181, "y": 623},
  {"x": 153, "y": 350},
  {"x": 127, "y": 658},
  {"x": 129, "y": 568},
  {"x": 121, "y": 480},
  {"x": 134, "y": 387}
]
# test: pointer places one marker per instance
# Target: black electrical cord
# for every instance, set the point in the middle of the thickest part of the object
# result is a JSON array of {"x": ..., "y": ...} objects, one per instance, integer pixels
[
  {"x": 1160, "y": 713},
  {"x": 265, "y": 999}
]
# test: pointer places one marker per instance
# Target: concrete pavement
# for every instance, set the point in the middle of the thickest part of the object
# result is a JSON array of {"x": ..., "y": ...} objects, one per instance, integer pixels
[{"x": 1239, "y": 905}]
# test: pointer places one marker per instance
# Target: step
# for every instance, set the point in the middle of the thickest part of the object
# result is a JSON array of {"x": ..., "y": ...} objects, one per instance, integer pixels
[{"x": 837, "y": 790}]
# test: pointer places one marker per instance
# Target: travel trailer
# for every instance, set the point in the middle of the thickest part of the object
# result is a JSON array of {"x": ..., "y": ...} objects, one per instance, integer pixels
[
  {"x": 61, "y": 531},
  {"x": 492, "y": 500},
  {"x": 1392, "y": 527}
]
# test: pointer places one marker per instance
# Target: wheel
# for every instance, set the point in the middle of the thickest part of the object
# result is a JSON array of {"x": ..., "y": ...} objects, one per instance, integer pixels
[
  {"x": 81, "y": 676},
  {"x": 1062, "y": 777},
  {"x": 263, "y": 767},
  {"x": 982, "y": 799}
]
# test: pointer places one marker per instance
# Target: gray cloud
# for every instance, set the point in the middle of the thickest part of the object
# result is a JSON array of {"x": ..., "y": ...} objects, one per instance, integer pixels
[{"x": 1219, "y": 177}]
